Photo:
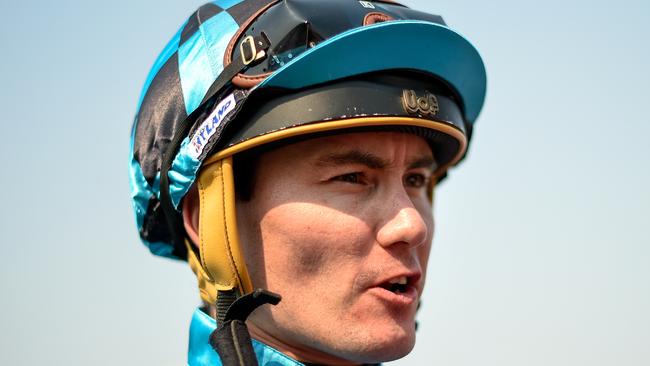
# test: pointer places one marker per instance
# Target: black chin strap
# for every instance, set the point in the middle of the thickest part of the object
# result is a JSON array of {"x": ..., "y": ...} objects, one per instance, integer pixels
[{"x": 231, "y": 339}]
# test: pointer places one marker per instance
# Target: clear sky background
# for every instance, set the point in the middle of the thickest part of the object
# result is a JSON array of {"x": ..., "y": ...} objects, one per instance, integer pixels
[{"x": 542, "y": 250}]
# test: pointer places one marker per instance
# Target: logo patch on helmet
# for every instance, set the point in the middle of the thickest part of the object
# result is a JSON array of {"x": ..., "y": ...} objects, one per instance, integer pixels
[
  {"x": 424, "y": 105},
  {"x": 211, "y": 124},
  {"x": 367, "y": 4}
]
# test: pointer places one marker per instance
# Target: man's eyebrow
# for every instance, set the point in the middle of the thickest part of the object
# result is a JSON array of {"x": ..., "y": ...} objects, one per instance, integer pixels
[
  {"x": 370, "y": 160},
  {"x": 424, "y": 162},
  {"x": 352, "y": 157}
]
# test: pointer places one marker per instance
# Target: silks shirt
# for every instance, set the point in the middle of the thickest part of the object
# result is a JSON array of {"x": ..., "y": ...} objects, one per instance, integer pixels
[{"x": 201, "y": 353}]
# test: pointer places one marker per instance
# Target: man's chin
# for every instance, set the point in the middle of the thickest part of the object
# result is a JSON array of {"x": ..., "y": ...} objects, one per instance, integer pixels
[
  {"x": 372, "y": 340},
  {"x": 389, "y": 346}
]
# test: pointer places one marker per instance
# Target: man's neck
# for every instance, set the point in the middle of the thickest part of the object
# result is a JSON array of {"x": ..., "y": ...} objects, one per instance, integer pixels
[{"x": 308, "y": 356}]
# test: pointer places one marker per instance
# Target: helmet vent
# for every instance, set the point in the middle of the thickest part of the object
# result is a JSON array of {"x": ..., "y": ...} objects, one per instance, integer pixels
[{"x": 376, "y": 17}]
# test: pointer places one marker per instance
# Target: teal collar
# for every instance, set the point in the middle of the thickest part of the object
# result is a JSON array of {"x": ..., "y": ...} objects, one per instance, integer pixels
[{"x": 201, "y": 353}]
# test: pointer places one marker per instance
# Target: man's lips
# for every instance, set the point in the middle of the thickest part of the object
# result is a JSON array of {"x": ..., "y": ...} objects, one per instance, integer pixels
[
  {"x": 400, "y": 289},
  {"x": 407, "y": 277},
  {"x": 398, "y": 299}
]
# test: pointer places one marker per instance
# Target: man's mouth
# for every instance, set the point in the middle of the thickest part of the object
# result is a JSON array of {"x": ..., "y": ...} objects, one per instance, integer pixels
[
  {"x": 400, "y": 290},
  {"x": 396, "y": 285}
]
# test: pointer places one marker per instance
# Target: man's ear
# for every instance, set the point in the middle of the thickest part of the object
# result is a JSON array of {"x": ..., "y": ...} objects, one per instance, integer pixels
[{"x": 191, "y": 215}]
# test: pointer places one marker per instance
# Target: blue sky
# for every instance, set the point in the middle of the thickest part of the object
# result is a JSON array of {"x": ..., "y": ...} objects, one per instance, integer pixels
[{"x": 542, "y": 247}]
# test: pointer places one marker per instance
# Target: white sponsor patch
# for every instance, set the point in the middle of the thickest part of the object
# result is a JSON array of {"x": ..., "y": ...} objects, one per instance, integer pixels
[
  {"x": 367, "y": 4},
  {"x": 209, "y": 126}
]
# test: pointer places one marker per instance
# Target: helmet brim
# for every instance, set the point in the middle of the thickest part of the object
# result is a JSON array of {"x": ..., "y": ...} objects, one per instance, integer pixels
[{"x": 400, "y": 44}]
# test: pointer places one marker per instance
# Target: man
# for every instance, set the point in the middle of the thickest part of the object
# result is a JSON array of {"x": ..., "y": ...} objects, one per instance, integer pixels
[{"x": 292, "y": 147}]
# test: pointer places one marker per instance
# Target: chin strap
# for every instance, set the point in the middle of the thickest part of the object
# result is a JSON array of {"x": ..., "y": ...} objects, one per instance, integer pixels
[{"x": 231, "y": 339}]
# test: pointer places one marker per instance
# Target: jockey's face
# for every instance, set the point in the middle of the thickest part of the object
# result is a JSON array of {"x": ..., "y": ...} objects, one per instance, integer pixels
[{"x": 341, "y": 227}]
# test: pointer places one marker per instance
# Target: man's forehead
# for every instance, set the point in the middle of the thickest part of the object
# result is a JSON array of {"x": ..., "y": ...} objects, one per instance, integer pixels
[{"x": 375, "y": 149}]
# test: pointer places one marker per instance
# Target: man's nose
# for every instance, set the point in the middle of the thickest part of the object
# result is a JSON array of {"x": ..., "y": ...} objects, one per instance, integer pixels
[{"x": 402, "y": 223}]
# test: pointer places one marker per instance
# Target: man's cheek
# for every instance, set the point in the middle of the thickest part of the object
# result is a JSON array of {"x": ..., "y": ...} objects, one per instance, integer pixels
[{"x": 310, "y": 260}]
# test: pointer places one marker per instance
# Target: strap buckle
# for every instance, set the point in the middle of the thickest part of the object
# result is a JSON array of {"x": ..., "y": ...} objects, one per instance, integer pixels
[{"x": 250, "y": 51}]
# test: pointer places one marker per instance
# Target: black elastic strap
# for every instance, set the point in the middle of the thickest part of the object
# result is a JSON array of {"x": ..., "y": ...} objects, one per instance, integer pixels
[
  {"x": 224, "y": 300},
  {"x": 231, "y": 340}
]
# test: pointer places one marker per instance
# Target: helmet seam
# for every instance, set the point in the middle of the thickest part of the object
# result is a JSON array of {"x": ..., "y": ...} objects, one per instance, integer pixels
[{"x": 233, "y": 265}]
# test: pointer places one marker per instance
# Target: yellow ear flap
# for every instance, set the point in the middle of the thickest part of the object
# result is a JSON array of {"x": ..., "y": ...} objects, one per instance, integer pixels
[
  {"x": 221, "y": 260},
  {"x": 206, "y": 286}
]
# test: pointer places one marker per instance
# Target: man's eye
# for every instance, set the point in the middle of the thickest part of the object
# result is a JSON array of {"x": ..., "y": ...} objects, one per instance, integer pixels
[
  {"x": 416, "y": 180},
  {"x": 349, "y": 178}
]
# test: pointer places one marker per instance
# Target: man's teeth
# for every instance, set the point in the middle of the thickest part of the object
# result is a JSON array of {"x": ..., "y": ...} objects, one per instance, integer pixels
[
  {"x": 400, "y": 281},
  {"x": 397, "y": 285}
]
